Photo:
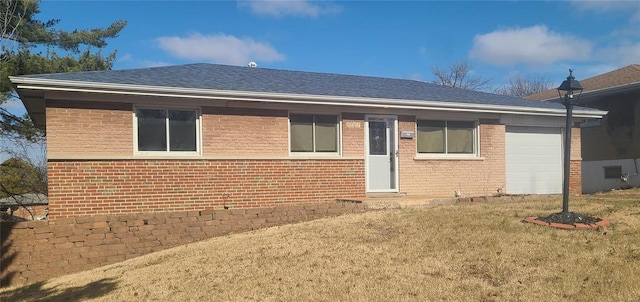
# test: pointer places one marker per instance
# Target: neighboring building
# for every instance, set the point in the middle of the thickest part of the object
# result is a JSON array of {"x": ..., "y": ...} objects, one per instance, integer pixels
[
  {"x": 611, "y": 146},
  {"x": 24, "y": 207},
  {"x": 205, "y": 136}
]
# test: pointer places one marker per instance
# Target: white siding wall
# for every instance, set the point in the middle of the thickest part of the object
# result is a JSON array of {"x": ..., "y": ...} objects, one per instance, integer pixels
[{"x": 593, "y": 175}]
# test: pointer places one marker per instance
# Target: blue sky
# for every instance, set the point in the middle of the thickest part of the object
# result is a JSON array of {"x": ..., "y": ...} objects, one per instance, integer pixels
[{"x": 398, "y": 39}]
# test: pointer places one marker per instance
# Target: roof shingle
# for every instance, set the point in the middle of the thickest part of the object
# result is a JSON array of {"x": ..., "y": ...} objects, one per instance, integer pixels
[
  {"x": 623, "y": 76},
  {"x": 265, "y": 80}
]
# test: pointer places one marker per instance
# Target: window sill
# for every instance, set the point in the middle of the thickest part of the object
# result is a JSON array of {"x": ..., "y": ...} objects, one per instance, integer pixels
[
  {"x": 314, "y": 155},
  {"x": 169, "y": 155},
  {"x": 457, "y": 158}
]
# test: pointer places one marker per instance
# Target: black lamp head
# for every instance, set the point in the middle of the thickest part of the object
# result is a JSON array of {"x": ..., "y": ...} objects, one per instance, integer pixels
[{"x": 570, "y": 86}]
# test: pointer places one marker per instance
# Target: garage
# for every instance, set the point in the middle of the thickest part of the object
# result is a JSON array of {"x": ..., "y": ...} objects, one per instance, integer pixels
[{"x": 533, "y": 160}]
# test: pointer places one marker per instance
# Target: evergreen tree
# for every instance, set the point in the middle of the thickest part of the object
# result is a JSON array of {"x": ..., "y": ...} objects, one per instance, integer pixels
[
  {"x": 31, "y": 46},
  {"x": 18, "y": 177}
]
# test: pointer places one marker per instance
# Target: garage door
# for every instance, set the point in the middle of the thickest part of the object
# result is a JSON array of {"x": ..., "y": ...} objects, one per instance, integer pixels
[{"x": 534, "y": 160}]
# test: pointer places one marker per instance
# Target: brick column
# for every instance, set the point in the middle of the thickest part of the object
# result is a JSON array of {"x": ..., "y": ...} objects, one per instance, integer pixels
[{"x": 575, "y": 177}]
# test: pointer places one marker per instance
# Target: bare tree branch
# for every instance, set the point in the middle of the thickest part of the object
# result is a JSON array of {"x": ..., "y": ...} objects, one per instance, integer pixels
[
  {"x": 459, "y": 75},
  {"x": 522, "y": 86},
  {"x": 23, "y": 177},
  {"x": 11, "y": 16}
]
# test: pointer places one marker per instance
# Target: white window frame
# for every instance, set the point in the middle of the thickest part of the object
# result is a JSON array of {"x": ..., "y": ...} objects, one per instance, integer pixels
[
  {"x": 198, "y": 151},
  {"x": 315, "y": 153},
  {"x": 475, "y": 136}
]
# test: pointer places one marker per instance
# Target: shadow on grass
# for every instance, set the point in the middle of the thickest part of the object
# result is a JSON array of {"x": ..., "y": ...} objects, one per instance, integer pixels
[{"x": 36, "y": 292}]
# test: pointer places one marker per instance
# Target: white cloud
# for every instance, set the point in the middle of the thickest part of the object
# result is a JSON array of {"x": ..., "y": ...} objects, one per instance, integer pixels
[
  {"x": 610, "y": 6},
  {"x": 532, "y": 45},
  {"x": 623, "y": 54},
  {"x": 125, "y": 57},
  {"x": 606, "y": 5},
  {"x": 414, "y": 76},
  {"x": 588, "y": 71},
  {"x": 133, "y": 62},
  {"x": 220, "y": 48},
  {"x": 149, "y": 63},
  {"x": 299, "y": 8}
]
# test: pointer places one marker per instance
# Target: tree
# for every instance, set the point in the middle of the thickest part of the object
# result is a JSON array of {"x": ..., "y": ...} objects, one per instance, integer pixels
[
  {"x": 31, "y": 46},
  {"x": 23, "y": 177},
  {"x": 522, "y": 86},
  {"x": 19, "y": 177},
  {"x": 459, "y": 75}
]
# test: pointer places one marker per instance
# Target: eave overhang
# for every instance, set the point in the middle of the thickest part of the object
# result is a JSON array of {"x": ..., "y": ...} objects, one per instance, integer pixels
[
  {"x": 590, "y": 95},
  {"x": 30, "y": 89}
]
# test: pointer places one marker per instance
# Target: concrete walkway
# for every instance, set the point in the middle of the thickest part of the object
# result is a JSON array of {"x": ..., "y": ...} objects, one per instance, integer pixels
[{"x": 391, "y": 201}]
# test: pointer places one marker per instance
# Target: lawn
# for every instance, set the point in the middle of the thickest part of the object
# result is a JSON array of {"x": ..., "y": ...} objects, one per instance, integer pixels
[{"x": 478, "y": 251}]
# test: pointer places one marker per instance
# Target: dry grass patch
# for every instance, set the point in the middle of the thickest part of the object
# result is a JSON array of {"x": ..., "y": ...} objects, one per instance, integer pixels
[{"x": 473, "y": 252}]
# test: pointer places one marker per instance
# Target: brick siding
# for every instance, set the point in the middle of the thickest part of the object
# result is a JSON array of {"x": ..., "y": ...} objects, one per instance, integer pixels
[
  {"x": 89, "y": 129},
  {"x": 353, "y": 135},
  {"x": 575, "y": 165},
  {"x": 78, "y": 188},
  {"x": 575, "y": 177},
  {"x": 245, "y": 132},
  {"x": 26, "y": 212},
  {"x": 246, "y": 163},
  {"x": 576, "y": 144},
  {"x": 443, "y": 177}
]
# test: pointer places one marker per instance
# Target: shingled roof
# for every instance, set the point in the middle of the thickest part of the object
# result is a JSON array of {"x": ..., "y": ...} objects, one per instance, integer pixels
[
  {"x": 212, "y": 81},
  {"x": 627, "y": 75},
  {"x": 246, "y": 79}
]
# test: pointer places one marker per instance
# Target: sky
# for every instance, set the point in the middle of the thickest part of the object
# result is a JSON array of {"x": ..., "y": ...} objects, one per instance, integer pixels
[{"x": 395, "y": 39}]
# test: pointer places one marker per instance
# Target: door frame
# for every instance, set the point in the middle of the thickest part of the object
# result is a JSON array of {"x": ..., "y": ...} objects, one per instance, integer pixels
[{"x": 394, "y": 136}]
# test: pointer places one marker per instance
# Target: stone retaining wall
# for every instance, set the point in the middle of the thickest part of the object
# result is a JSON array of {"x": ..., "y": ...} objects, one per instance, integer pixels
[{"x": 38, "y": 250}]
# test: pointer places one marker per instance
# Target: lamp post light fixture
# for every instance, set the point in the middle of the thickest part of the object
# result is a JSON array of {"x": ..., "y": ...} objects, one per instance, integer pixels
[{"x": 569, "y": 92}]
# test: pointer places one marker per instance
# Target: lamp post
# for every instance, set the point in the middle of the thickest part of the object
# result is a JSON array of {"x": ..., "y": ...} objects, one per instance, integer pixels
[{"x": 567, "y": 91}]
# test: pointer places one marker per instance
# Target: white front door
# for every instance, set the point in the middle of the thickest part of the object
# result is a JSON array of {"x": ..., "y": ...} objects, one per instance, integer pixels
[{"x": 381, "y": 154}]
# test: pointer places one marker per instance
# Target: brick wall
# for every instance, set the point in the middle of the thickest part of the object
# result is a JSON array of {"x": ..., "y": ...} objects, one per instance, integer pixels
[
  {"x": 89, "y": 129},
  {"x": 26, "y": 212},
  {"x": 575, "y": 177},
  {"x": 38, "y": 250},
  {"x": 575, "y": 165},
  {"x": 245, "y": 132},
  {"x": 442, "y": 177},
  {"x": 86, "y": 129},
  {"x": 79, "y": 188},
  {"x": 105, "y": 130},
  {"x": 576, "y": 144},
  {"x": 353, "y": 135}
]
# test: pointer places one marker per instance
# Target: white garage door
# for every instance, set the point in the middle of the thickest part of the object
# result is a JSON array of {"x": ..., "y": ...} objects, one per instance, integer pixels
[{"x": 534, "y": 160}]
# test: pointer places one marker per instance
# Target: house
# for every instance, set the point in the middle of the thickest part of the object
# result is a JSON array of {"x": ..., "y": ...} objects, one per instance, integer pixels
[
  {"x": 29, "y": 206},
  {"x": 610, "y": 146},
  {"x": 205, "y": 136}
]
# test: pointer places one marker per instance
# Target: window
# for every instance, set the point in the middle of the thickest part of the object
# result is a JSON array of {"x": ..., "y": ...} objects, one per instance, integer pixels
[
  {"x": 314, "y": 133},
  {"x": 613, "y": 172},
  {"x": 590, "y": 122},
  {"x": 167, "y": 130},
  {"x": 446, "y": 137}
]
